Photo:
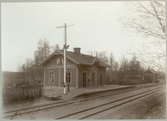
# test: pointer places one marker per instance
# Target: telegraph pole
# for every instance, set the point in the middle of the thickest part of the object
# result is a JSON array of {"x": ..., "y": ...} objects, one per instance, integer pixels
[{"x": 65, "y": 47}]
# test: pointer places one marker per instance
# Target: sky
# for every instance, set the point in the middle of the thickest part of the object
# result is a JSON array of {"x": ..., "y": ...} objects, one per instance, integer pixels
[{"x": 96, "y": 28}]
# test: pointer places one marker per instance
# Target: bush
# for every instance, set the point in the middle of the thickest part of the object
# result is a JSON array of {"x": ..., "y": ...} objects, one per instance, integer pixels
[
  {"x": 115, "y": 82},
  {"x": 18, "y": 93},
  {"x": 131, "y": 81}
]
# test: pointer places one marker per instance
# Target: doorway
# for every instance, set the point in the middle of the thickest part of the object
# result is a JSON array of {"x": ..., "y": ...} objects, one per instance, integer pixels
[
  {"x": 101, "y": 78},
  {"x": 84, "y": 79}
]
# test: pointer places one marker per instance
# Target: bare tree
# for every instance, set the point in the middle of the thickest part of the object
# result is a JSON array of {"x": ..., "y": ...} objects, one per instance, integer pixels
[
  {"x": 123, "y": 69},
  {"x": 28, "y": 69},
  {"x": 43, "y": 51},
  {"x": 31, "y": 67},
  {"x": 54, "y": 48},
  {"x": 103, "y": 57},
  {"x": 112, "y": 60},
  {"x": 114, "y": 67},
  {"x": 134, "y": 67},
  {"x": 19, "y": 67},
  {"x": 148, "y": 19}
]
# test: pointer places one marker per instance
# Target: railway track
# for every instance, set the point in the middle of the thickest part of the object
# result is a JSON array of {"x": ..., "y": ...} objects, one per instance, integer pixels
[
  {"x": 86, "y": 113},
  {"x": 113, "y": 92},
  {"x": 58, "y": 104}
]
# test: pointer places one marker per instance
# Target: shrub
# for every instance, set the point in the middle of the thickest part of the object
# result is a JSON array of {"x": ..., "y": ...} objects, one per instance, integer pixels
[
  {"x": 18, "y": 93},
  {"x": 128, "y": 81}
]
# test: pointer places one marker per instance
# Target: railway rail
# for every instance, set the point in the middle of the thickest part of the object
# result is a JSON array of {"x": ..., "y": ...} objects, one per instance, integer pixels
[
  {"x": 63, "y": 103},
  {"x": 86, "y": 113}
]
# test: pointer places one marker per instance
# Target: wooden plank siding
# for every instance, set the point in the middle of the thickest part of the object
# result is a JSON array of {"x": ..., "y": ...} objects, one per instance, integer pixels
[{"x": 79, "y": 65}]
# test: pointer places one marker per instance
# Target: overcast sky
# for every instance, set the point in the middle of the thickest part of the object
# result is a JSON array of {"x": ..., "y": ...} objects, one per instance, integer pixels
[{"x": 96, "y": 28}]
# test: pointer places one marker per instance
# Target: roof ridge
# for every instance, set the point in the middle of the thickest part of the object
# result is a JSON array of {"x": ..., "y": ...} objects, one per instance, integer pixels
[{"x": 77, "y": 58}]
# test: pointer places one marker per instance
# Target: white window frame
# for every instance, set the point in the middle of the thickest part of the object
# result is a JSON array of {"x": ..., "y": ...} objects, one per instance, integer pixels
[
  {"x": 51, "y": 76},
  {"x": 70, "y": 77},
  {"x": 62, "y": 61},
  {"x": 58, "y": 61},
  {"x": 101, "y": 73}
]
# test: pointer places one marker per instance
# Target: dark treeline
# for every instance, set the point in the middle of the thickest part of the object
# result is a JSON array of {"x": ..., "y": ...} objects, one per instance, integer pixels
[{"x": 127, "y": 72}]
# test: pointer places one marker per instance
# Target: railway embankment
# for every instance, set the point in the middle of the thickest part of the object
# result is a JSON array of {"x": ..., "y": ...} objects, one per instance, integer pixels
[
  {"x": 152, "y": 107},
  {"x": 123, "y": 102}
]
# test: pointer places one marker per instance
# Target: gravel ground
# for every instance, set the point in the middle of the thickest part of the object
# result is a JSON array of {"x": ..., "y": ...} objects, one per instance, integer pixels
[
  {"x": 152, "y": 107},
  {"x": 40, "y": 101}
]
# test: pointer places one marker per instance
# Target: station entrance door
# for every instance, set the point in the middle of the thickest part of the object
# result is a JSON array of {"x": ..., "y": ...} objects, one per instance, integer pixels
[
  {"x": 84, "y": 79},
  {"x": 101, "y": 78}
]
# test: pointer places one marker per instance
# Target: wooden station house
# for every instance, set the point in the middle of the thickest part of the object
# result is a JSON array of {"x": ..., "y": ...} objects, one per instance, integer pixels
[
  {"x": 82, "y": 70},
  {"x": 150, "y": 76}
]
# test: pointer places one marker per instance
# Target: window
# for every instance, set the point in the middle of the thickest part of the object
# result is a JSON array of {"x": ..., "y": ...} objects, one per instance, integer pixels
[
  {"x": 62, "y": 61},
  {"x": 93, "y": 77},
  {"x": 58, "y": 61},
  {"x": 84, "y": 79},
  {"x": 68, "y": 77},
  {"x": 52, "y": 77},
  {"x": 101, "y": 76}
]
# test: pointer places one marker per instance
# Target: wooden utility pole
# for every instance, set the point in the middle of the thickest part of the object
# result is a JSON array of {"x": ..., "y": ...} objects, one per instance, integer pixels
[{"x": 65, "y": 47}]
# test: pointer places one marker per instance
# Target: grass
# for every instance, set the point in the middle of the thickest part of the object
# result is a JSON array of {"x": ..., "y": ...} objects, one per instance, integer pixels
[{"x": 19, "y": 93}]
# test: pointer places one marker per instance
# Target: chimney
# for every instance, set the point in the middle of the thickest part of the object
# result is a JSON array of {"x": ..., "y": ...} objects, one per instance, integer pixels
[{"x": 77, "y": 50}]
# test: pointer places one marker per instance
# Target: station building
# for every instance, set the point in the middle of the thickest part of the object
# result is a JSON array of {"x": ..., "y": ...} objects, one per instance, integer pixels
[
  {"x": 82, "y": 70},
  {"x": 150, "y": 76}
]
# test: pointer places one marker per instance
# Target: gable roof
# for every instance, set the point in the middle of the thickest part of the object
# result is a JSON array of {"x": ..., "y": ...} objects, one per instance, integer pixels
[
  {"x": 80, "y": 59},
  {"x": 150, "y": 70}
]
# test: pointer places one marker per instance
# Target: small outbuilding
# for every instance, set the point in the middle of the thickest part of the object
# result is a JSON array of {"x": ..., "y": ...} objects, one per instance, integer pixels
[
  {"x": 82, "y": 70},
  {"x": 150, "y": 76}
]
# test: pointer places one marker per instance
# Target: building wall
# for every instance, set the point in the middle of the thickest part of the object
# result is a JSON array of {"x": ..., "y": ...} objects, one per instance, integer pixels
[
  {"x": 52, "y": 66},
  {"x": 81, "y": 71},
  {"x": 91, "y": 79},
  {"x": 55, "y": 65},
  {"x": 103, "y": 72},
  {"x": 48, "y": 81},
  {"x": 149, "y": 76}
]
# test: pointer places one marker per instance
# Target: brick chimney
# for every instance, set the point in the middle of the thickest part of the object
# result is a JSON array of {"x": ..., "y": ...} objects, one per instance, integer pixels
[{"x": 77, "y": 50}]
